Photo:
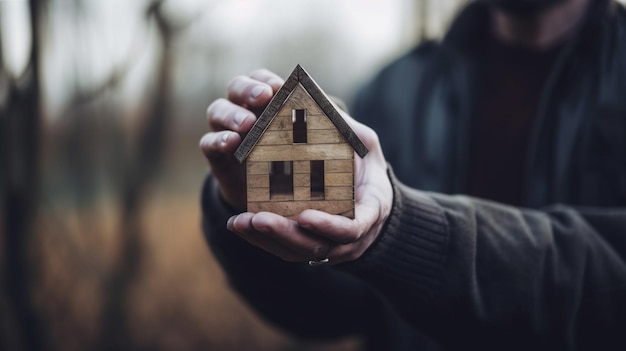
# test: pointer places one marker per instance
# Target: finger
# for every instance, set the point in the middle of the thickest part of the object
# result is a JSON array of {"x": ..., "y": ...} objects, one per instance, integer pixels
[
  {"x": 343, "y": 253},
  {"x": 268, "y": 77},
  {"x": 339, "y": 253},
  {"x": 367, "y": 135},
  {"x": 225, "y": 115},
  {"x": 249, "y": 93},
  {"x": 289, "y": 234},
  {"x": 218, "y": 146},
  {"x": 241, "y": 225},
  {"x": 338, "y": 229},
  {"x": 218, "y": 149}
]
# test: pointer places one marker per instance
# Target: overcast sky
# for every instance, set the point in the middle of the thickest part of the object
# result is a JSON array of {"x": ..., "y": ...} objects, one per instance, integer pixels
[{"x": 341, "y": 42}]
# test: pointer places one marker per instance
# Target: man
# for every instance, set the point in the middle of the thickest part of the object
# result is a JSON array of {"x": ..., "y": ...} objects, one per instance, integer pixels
[{"x": 523, "y": 107}]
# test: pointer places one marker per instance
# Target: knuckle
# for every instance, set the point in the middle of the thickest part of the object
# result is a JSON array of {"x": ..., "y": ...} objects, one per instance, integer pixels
[
  {"x": 350, "y": 234},
  {"x": 324, "y": 222},
  {"x": 350, "y": 237},
  {"x": 371, "y": 135},
  {"x": 318, "y": 251},
  {"x": 237, "y": 89},
  {"x": 268, "y": 77},
  {"x": 210, "y": 111},
  {"x": 352, "y": 257},
  {"x": 205, "y": 141},
  {"x": 235, "y": 82},
  {"x": 213, "y": 111}
]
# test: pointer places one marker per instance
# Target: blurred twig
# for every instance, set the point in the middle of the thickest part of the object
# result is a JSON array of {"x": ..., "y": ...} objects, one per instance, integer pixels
[
  {"x": 422, "y": 16},
  {"x": 21, "y": 128},
  {"x": 80, "y": 139},
  {"x": 141, "y": 170}
]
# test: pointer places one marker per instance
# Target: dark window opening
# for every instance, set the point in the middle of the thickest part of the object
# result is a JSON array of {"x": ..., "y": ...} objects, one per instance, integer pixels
[
  {"x": 298, "y": 119},
  {"x": 281, "y": 180},
  {"x": 317, "y": 180}
]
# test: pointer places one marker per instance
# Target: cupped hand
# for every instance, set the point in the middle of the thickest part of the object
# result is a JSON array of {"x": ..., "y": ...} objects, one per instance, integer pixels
[
  {"x": 229, "y": 120},
  {"x": 313, "y": 235}
]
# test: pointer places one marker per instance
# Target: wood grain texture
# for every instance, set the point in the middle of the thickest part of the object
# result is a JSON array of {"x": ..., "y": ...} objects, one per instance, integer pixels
[
  {"x": 339, "y": 179},
  {"x": 339, "y": 166},
  {"x": 319, "y": 122},
  {"x": 281, "y": 123},
  {"x": 258, "y": 181},
  {"x": 258, "y": 194},
  {"x": 301, "y": 167},
  {"x": 339, "y": 193},
  {"x": 291, "y": 209},
  {"x": 300, "y": 152},
  {"x": 301, "y": 193},
  {"x": 299, "y": 99},
  {"x": 276, "y": 137},
  {"x": 313, "y": 122},
  {"x": 303, "y": 179},
  {"x": 325, "y": 136},
  {"x": 262, "y": 167},
  {"x": 279, "y": 198}
]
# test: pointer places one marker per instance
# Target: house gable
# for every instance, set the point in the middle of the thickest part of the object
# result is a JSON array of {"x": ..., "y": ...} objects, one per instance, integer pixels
[
  {"x": 276, "y": 142},
  {"x": 280, "y": 129},
  {"x": 280, "y": 103}
]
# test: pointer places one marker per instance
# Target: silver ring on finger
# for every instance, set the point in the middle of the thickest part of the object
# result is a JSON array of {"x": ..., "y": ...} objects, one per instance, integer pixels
[{"x": 318, "y": 261}]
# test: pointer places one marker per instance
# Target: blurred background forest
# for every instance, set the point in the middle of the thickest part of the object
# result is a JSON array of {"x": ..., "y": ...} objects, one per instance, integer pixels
[{"x": 102, "y": 105}]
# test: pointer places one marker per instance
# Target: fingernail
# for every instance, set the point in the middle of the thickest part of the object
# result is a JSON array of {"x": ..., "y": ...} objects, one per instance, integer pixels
[
  {"x": 229, "y": 224},
  {"x": 240, "y": 117},
  {"x": 257, "y": 91},
  {"x": 263, "y": 228},
  {"x": 225, "y": 137},
  {"x": 204, "y": 141},
  {"x": 276, "y": 82}
]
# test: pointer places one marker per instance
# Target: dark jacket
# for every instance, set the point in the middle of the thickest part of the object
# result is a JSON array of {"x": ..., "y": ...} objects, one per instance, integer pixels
[{"x": 456, "y": 272}]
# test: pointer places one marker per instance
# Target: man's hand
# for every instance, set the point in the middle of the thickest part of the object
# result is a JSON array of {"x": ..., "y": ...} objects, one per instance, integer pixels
[
  {"x": 229, "y": 120},
  {"x": 313, "y": 234}
]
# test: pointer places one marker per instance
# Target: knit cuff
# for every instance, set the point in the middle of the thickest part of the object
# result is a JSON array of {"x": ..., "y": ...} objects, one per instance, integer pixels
[{"x": 411, "y": 249}]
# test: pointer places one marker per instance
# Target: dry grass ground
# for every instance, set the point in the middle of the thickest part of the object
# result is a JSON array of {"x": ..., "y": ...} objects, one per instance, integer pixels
[{"x": 179, "y": 302}]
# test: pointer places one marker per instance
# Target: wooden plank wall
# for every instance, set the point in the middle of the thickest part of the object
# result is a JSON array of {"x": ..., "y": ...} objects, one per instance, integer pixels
[{"x": 324, "y": 143}]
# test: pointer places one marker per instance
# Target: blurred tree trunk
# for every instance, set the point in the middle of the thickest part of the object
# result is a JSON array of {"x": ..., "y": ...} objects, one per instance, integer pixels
[
  {"x": 20, "y": 140},
  {"x": 141, "y": 169},
  {"x": 422, "y": 18}
]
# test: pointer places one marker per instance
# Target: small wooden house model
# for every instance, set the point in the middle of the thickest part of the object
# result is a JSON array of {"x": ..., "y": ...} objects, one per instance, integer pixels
[{"x": 300, "y": 153}]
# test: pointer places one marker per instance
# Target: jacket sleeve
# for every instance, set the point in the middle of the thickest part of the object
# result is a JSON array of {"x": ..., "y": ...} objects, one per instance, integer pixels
[
  {"x": 307, "y": 302},
  {"x": 472, "y": 271}
]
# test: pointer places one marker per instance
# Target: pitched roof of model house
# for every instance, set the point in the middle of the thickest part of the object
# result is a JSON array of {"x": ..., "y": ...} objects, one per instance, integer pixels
[{"x": 334, "y": 113}]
